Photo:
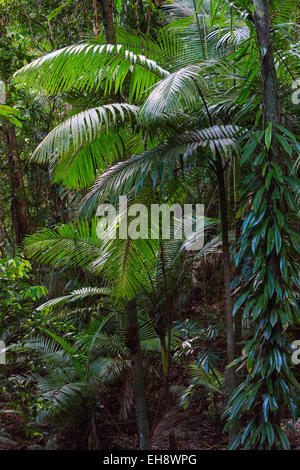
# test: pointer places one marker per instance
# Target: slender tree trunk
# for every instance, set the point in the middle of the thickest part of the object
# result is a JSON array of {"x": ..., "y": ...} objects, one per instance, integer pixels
[
  {"x": 134, "y": 345},
  {"x": 19, "y": 211},
  {"x": 231, "y": 375},
  {"x": 237, "y": 228},
  {"x": 95, "y": 19},
  {"x": 164, "y": 355},
  {"x": 2, "y": 226},
  {"x": 166, "y": 328},
  {"x": 262, "y": 23},
  {"x": 271, "y": 101},
  {"x": 108, "y": 22}
]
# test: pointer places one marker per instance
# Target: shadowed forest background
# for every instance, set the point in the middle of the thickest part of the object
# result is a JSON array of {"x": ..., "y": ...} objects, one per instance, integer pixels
[{"x": 146, "y": 344}]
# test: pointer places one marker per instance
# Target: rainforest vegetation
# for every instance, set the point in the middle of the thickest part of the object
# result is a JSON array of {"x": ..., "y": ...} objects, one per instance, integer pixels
[{"x": 146, "y": 342}]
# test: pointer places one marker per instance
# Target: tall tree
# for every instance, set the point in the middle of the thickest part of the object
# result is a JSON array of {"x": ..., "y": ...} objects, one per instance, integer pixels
[
  {"x": 106, "y": 7},
  {"x": 257, "y": 406},
  {"x": 134, "y": 345},
  {"x": 19, "y": 210}
]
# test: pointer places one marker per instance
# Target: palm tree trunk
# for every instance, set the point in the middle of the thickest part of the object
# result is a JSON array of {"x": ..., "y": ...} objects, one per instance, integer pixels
[
  {"x": 231, "y": 375},
  {"x": 108, "y": 22},
  {"x": 164, "y": 355},
  {"x": 134, "y": 345},
  {"x": 95, "y": 19}
]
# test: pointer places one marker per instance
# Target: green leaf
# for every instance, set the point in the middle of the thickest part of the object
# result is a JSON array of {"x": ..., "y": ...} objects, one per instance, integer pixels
[
  {"x": 247, "y": 430},
  {"x": 290, "y": 200},
  {"x": 269, "y": 178},
  {"x": 283, "y": 438},
  {"x": 266, "y": 408},
  {"x": 278, "y": 240},
  {"x": 239, "y": 302},
  {"x": 268, "y": 136},
  {"x": 270, "y": 240},
  {"x": 257, "y": 199},
  {"x": 283, "y": 268},
  {"x": 270, "y": 433},
  {"x": 273, "y": 317},
  {"x": 250, "y": 148},
  {"x": 255, "y": 241},
  {"x": 57, "y": 10},
  {"x": 280, "y": 218},
  {"x": 283, "y": 141},
  {"x": 295, "y": 240},
  {"x": 287, "y": 132}
]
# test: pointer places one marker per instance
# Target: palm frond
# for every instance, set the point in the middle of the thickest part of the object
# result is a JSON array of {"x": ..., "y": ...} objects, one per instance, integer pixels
[
  {"x": 160, "y": 161},
  {"x": 88, "y": 66},
  {"x": 70, "y": 244},
  {"x": 180, "y": 89},
  {"x": 75, "y": 295},
  {"x": 86, "y": 143}
]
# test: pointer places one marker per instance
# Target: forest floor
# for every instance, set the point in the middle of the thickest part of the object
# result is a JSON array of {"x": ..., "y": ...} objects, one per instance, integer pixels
[{"x": 200, "y": 427}]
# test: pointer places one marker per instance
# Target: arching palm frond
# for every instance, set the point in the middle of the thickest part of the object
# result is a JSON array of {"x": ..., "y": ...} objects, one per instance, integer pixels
[
  {"x": 159, "y": 161},
  {"x": 192, "y": 29},
  {"x": 166, "y": 48},
  {"x": 75, "y": 295},
  {"x": 66, "y": 245},
  {"x": 86, "y": 143},
  {"x": 285, "y": 11},
  {"x": 180, "y": 89},
  {"x": 88, "y": 340},
  {"x": 60, "y": 396},
  {"x": 123, "y": 264},
  {"x": 89, "y": 66},
  {"x": 195, "y": 21},
  {"x": 232, "y": 9},
  {"x": 229, "y": 36},
  {"x": 120, "y": 260},
  {"x": 214, "y": 381}
]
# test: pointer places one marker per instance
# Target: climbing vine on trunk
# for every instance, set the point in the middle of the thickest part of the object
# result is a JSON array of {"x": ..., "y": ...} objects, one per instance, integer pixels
[{"x": 268, "y": 252}]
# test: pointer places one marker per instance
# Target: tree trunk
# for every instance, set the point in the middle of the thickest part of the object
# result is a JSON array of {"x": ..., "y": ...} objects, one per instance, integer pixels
[
  {"x": 95, "y": 19},
  {"x": 108, "y": 22},
  {"x": 231, "y": 375},
  {"x": 19, "y": 211},
  {"x": 271, "y": 101},
  {"x": 134, "y": 345},
  {"x": 238, "y": 323},
  {"x": 2, "y": 226},
  {"x": 262, "y": 23},
  {"x": 164, "y": 355}
]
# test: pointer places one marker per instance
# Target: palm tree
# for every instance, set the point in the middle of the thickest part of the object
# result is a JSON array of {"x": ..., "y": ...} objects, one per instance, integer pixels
[
  {"x": 137, "y": 272},
  {"x": 74, "y": 372},
  {"x": 121, "y": 262},
  {"x": 74, "y": 147},
  {"x": 187, "y": 99}
]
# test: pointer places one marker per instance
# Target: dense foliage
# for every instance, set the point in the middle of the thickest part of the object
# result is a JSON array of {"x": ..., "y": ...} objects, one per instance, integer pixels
[{"x": 112, "y": 338}]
